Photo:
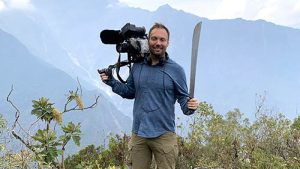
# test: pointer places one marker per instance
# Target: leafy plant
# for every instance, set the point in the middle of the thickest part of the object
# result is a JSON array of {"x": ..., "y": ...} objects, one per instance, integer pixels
[{"x": 45, "y": 144}]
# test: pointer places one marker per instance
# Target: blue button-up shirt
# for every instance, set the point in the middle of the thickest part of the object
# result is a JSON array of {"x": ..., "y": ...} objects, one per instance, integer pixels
[{"x": 155, "y": 89}]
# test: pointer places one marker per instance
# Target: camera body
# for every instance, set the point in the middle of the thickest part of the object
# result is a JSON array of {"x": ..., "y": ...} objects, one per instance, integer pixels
[{"x": 131, "y": 40}]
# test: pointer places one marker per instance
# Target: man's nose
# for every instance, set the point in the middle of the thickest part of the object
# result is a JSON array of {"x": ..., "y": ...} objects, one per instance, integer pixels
[{"x": 158, "y": 42}]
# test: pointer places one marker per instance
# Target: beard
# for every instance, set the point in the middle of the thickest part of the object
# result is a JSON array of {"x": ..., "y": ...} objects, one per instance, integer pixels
[
  {"x": 156, "y": 56},
  {"x": 157, "y": 52}
]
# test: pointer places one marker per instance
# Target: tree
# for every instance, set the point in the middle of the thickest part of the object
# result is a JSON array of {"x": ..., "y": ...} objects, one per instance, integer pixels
[{"x": 45, "y": 145}]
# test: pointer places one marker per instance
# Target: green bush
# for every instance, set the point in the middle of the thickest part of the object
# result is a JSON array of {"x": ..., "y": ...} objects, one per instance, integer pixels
[{"x": 215, "y": 141}]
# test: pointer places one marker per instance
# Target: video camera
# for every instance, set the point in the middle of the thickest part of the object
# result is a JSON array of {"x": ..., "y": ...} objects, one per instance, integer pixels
[{"x": 131, "y": 40}]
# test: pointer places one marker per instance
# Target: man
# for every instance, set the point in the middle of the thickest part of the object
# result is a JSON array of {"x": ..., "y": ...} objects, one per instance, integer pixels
[{"x": 155, "y": 84}]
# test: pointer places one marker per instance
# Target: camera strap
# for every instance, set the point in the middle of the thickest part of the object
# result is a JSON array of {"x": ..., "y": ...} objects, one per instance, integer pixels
[{"x": 120, "y": 64}]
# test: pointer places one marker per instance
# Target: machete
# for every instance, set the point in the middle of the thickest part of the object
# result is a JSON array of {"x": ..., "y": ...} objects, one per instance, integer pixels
[{"x": 195, "y": 45}]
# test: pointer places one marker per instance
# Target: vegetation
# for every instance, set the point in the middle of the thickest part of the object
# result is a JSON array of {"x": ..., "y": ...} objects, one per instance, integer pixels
[
  {"x": 213, "y": 141},
  {"x": 216, "y": 141},
  {"x": 43, "y": 149},
  {"x": 100, "y": 157},
  {"x": 3, "y": 149}
]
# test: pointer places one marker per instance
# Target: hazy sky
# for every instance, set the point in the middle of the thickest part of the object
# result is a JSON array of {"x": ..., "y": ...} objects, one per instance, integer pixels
[{"x": 282, "y": 12}]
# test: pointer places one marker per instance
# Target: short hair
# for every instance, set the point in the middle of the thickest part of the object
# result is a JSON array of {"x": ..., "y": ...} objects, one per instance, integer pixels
[{"x": 159, "y": 25}]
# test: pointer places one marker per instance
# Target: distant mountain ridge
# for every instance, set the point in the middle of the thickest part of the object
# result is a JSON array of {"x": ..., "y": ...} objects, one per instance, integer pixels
[
  {"x": 32, "y": 78},
  {"x": 238, "y": 59}
]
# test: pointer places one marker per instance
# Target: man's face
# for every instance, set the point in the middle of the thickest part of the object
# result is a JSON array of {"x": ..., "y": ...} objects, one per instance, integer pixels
[{"x": 158, "y": 42}]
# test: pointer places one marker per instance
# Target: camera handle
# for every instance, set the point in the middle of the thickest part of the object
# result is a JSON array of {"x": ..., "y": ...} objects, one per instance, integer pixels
[{"x": 108, "y": 71}]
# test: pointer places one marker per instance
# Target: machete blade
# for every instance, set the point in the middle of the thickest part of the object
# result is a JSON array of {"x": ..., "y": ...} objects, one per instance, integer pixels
[{"x": 195, "y": 45}]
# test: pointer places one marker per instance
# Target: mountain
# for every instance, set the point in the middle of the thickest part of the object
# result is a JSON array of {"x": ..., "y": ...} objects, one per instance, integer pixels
[
  {"x": 238, "y": 59},
  {"x": 33, "y": 78},
  {"x": 30, "y": 28}
]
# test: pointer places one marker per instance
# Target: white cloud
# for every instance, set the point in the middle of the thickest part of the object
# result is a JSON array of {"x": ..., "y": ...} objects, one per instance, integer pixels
[
  {"x": 280, "y": 12},
  {"x": 297, "y": 6},
  {"x": 2, "y": 5},
  {"x": 21, "y": 4},
  {"x": 230, "y": 9},
  {"x": 200, "y": 8},
  {"x": 149, "y": 5},
  {"x": 16, "y": 4}
]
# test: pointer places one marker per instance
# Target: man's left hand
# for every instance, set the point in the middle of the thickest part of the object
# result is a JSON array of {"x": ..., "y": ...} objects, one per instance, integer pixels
[{"x": 193, "y": 104}]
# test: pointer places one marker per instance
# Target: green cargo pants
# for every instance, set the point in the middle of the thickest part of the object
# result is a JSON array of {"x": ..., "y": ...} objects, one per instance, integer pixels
[{"x": 164, "y": 149}]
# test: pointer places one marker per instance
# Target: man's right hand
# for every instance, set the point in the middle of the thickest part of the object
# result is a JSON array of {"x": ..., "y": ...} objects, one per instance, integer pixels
[
  {"x": 104, "y": 77},
  {"x": 105, "y": 74}
]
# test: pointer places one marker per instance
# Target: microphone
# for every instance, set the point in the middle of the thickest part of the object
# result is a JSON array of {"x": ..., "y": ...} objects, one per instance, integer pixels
[{"x": 111, "y": 37}]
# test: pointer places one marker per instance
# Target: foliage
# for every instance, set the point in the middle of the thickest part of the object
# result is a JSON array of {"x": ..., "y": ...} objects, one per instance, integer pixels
[
  {"x": 2, "y": 140},
  {"x": 216, "y": 141},
  {"x": 2, "y": 123},
  {"x": 45, "y": 146},
  {"x": 213, "y": 141},
  {"x": 48, "y": 146},
  {"x": 8, "y": 159},
  {"x": 233, "y": 142},
  {"x": 296, "y": 124},
  {"x": 91, "y": 157}
]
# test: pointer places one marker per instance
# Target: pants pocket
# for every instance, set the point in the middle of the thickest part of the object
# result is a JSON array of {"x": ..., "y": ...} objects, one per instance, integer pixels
[{"x": 166, "y": 151}]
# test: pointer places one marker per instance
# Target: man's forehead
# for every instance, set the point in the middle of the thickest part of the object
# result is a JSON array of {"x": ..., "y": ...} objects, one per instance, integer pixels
[{"x": 158, "y": 30}]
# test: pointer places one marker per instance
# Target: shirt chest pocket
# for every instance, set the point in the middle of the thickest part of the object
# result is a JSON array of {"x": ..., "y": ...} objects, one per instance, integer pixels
[
  {"x": 150, "y": 103},
  {"x": 159, "y": 81}
]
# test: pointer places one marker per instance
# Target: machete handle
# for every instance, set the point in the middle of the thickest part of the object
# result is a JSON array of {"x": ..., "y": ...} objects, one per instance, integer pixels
[{"x": 190, "y": 111}]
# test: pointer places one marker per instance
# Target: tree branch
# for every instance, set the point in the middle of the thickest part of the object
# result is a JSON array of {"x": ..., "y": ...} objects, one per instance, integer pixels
[
  {"x": 17, "y": 116},
  {"x": 76, "y": 107}
]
